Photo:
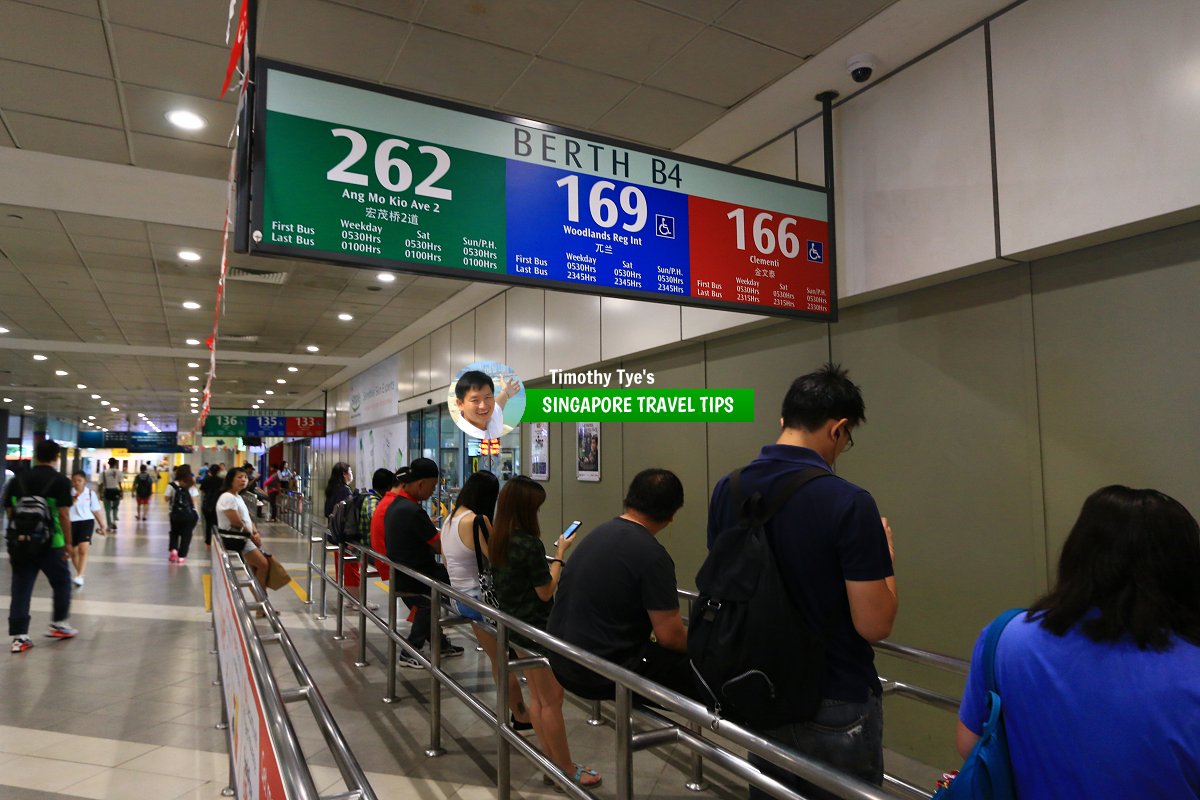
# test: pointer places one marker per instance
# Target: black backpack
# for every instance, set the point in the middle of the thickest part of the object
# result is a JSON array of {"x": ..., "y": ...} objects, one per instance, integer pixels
[
  {"x": 31, "y": 526},
  {"x": 756, "y": 655},
  {"x": 344, "y": 519},
  {"x": 183, "y": 510}
]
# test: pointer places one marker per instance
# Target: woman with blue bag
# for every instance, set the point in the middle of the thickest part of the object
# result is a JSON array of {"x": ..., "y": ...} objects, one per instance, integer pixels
[{"x": 1100, "y": 678}]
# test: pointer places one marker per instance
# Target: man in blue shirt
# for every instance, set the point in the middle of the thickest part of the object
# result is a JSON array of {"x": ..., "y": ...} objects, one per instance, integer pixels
[{"x": 835, "y": 554}]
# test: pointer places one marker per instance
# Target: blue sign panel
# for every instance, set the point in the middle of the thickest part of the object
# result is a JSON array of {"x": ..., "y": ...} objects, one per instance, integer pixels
[{"x": 266, "y": 425}]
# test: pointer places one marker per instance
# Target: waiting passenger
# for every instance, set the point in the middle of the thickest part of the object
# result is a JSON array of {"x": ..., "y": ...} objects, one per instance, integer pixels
[
  {"x": 337, "y": 488},
  {"x": 470, "y": 522},
  {"x": 619, "y": 589},
  {"x": 237, "y": 531},
  {"x": 211, "y": 488},
  {"x": 413, "y": 541},
  {"x": 834, "y": 553},
  {"x": 1099, "y": 677},
  {"x": 381, "y": 484},
  {"x": 525, "y": 586}
]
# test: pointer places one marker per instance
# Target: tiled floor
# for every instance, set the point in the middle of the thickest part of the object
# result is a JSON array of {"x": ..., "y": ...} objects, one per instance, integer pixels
[{"x": 128, "y": 710}]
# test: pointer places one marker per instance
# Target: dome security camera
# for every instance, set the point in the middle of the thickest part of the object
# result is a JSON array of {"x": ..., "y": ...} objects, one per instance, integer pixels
[{"x": 861, "y": 67}]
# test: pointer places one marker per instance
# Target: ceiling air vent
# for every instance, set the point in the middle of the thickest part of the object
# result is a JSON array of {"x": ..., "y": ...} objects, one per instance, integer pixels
[
  {"x": 256, "y": 276},
  {"x": 233, "y": 337}
]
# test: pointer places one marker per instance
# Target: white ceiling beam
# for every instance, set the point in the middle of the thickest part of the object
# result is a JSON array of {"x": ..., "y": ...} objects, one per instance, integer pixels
[{"x": 194, "y": 353}]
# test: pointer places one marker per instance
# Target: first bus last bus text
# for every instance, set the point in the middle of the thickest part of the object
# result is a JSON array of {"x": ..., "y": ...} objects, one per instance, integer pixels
[{"x": 641, "y": 404}]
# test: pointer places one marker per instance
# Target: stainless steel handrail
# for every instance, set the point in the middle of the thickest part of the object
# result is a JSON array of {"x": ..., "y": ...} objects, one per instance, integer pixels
[
  {"x": 296, "y": 775},
  {"x": 626, "y": 683}
]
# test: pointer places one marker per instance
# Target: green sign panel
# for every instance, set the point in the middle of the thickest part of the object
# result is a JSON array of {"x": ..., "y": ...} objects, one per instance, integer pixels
[{"x": 219, "y": 424}]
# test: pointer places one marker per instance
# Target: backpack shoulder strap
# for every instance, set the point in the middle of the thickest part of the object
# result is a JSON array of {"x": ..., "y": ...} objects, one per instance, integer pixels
[
  {"x": 792, "y": 485},
  {"x": 989, "y": 645},
  {"x": 479, "y": 531}
]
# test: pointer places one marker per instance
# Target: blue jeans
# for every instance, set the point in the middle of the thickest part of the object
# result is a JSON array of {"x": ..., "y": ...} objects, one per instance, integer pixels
[
  {"x": 846, "y": 736},
  {"x": 24, "y": 575}
]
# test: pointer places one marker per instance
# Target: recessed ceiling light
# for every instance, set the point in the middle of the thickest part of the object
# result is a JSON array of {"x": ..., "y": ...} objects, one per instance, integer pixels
[
  {"x": 345, "y": 317},
  {"x": 193, "y": 365},
  {"x": 81, "y": 386},
  {"x": 269, "y": 391},
  {"x": 190, "y": 305},
  {"x": 61, "y": 373},
  {"x": 386, "y": 277},
  {"x": 7, "y": 399},
  {"x": 189, "y": 255},
  {"x": 91, "y": 416},
  {"x": 193, "y": 377},
  {"x": 104, "y": 403},
  {"x": 193, "y": 342},
  {"x": 193, "y": 390},
  {"x": 280, "y": 380},
  {"x": 293, "y": 369},
  {"x": 39, "y": 357},
  {"x": 114, "y": 408},
  {"x": 195, "y": 411},
  {"x": 29, "y": 408},
  {"x": 3, "y": 330},
  {"x": 188, "y": 120},
  {"x": 140, "y": 414},
  {"x": 312, "y": 348},
  {"x": 95, "y": 397}
]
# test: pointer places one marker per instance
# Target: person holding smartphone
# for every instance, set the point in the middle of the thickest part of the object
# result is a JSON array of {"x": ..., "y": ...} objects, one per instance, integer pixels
[{"x": 617, "y": 596}]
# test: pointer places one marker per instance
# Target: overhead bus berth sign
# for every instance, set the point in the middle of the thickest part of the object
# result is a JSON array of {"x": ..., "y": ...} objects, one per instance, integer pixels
[{"x": 357, "y": 174}]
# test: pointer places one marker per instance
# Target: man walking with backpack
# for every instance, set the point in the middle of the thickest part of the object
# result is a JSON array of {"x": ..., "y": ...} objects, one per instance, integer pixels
[
  {"x": 37, "y": 504},
  {"x": 834, "y": 555}
]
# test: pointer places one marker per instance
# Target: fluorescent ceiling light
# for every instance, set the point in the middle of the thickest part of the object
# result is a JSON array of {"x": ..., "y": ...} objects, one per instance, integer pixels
[
  {"x": 293, "y": 369},
  {"x": 280, "y": 380},
  {"x": 8, "y": 400},
  {"x": 386, "y": 277},
  {"x": 193, "y": 365},
  {"x": 81, "y": 386},
  {"x": 312, "y": 348},
  {"x": 95, "y": 397},
  {"x": 193, "y": 390},
  {"x": 269, "y": 391},
  {"x": 345, "y": 317},
  {"x": 114, "y": 408},
  {"x": 91, "y": 416},
  {"x": 105, "y": 403},
  {"x": 190, "y": 305},
  {"x": 188, "y": 120},
  {"x": 29, "y": 408},
  {"x": 61, "y": 373},
  {"x": 193, "y": 377},
  {"x": 193, "y": 342},
  {"x": 195, "y": 411},
  {"x": 39, "y": 357}
]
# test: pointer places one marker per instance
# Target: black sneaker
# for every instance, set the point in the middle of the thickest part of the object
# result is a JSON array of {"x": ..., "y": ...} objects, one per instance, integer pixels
[
  {"x": 409, "y": 662},
  {"x": 451, "y": 650}
]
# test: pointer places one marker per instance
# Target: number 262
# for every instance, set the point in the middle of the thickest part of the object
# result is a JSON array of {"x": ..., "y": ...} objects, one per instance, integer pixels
[{"x": 386, "y": 165}]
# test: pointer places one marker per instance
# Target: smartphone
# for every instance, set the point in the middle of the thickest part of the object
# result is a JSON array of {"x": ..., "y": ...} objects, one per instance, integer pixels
[{"x": 570, "y": 531}]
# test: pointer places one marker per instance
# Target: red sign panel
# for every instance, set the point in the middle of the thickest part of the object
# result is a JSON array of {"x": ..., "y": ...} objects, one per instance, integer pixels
[{"x": 305, "y": 426}]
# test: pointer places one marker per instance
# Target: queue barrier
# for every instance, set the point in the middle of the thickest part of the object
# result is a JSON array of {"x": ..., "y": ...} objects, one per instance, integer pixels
[
  {"x": 697, "y": 719},
  {"x": 265, "y": 757}
]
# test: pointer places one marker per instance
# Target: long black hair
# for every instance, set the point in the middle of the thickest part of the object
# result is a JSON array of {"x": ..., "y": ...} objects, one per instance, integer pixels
[
  {"x": 479, "y": 494},
  {"x": 337, "y": 478},
  {"x": 516, "y": 513},
  {"x": 1129, "y": 568}
]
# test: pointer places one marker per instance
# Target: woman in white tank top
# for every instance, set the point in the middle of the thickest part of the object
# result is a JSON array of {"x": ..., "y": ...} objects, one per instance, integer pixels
[{"x": 477, "y": 500}]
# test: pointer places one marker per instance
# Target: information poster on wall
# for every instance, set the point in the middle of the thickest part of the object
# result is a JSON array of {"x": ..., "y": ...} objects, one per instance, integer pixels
[
  {"x": 358, "y": 174},
  {"x": 380, "y": 447},
  {"x": 587, "y": 451},
  {"x": 539, "y": 459}
]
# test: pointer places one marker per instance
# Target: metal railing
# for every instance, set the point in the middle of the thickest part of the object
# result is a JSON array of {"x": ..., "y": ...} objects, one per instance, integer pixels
[
  {"x": 697, "y": 720},
  {"x": 294, "y": 768}
]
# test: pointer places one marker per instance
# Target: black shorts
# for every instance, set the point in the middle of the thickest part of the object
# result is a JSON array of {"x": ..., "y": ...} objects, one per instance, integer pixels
[{"x": 81, "y": 530}]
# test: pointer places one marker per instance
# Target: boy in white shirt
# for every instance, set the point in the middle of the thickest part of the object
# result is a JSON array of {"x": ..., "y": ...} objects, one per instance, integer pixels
[{"x": 85, "y": 518}]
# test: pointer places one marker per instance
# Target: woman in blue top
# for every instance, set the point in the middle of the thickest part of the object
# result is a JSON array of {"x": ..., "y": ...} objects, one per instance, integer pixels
[{"x": 1101, "y": 677}]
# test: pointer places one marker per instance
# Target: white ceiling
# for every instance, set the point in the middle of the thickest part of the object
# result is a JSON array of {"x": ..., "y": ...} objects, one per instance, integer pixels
[{"x": 92, "y": 79}]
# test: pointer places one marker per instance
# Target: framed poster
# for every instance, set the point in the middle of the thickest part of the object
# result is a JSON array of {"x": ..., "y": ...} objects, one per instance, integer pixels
[
  {"x": 587, "y": 450},
  {"x": 539, "y": 461}
]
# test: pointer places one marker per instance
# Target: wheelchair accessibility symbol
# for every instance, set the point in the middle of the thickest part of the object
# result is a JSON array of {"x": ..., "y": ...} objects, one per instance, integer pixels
[
  {"x": 816, "y": 251},
  {"x": 664, "y": 226}
]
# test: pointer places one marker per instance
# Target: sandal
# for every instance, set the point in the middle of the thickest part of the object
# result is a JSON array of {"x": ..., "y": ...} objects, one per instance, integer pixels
[{"x": 584, "y": 777}]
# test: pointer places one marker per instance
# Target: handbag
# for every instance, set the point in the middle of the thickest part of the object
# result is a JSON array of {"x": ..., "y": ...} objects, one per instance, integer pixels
[
  {"x": 278, "y": 577},
  {"x": 987, "y": 772},
  {"x": 487, "y": 582}
]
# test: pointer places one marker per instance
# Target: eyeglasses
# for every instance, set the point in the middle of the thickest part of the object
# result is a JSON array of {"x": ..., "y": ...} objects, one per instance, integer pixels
[{"x": 849, "y": 440}]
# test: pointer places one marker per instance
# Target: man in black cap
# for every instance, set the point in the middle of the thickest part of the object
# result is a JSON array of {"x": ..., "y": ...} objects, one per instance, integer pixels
[{"x": 412, "y": 541}]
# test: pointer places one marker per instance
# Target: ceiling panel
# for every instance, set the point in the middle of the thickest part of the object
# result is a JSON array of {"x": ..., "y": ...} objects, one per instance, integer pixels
[
  {"x": 26, "y": 34},
  {"x": 57, "y": 93},
  {"x": 117, "y": 247},
  {"x": 66, "y": 138},
  {"x": 329, "y": 37},
  {"x": 203, "y": 21},
  {"x": 189, "y": 158},
  {"x": 524, "y": 25},
  {"x": 723, "y": 68},
  {"x": 198, "y": 239},
  {"x": 801, "y": 27},
  {"x": 625, "y": 39},
  {"x": 109, "y": 227},
  {"x": 25, "y": 217},
  {"x": 5, "y": 139},
  {"x": 169, "y": 62},
  {"x": 453, "y": 66},
  {"x": 704, "y": 10},
  {"x": 148, "y": 114}
]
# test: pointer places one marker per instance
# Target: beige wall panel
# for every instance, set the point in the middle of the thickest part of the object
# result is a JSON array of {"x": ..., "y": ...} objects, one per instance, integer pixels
[
  {"x": 914, "y": 173},
  {"x": 1095, "y": 112},
  {"x": 490, "y": 330},
  {"x": 421, "y": 365},
  {"x": 592, "y": 503},
  {"x": 1119, "y": 371},
  {"x": 634, "y": 326},
  {"x": 572, "y": 330},
  {"x": 439, "y": 358},
  {"x": 525, "y": 331},
  {"x": 810, "y": 152},
  {"x": 697, "y": 322},
  {"x": 680, "y": 447},
  {"x": 404, "y": 380},
  {"x": 951, "y": 455},
  {"x": 777, "y": 158},
  {"x": 462, "y": 344}
]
